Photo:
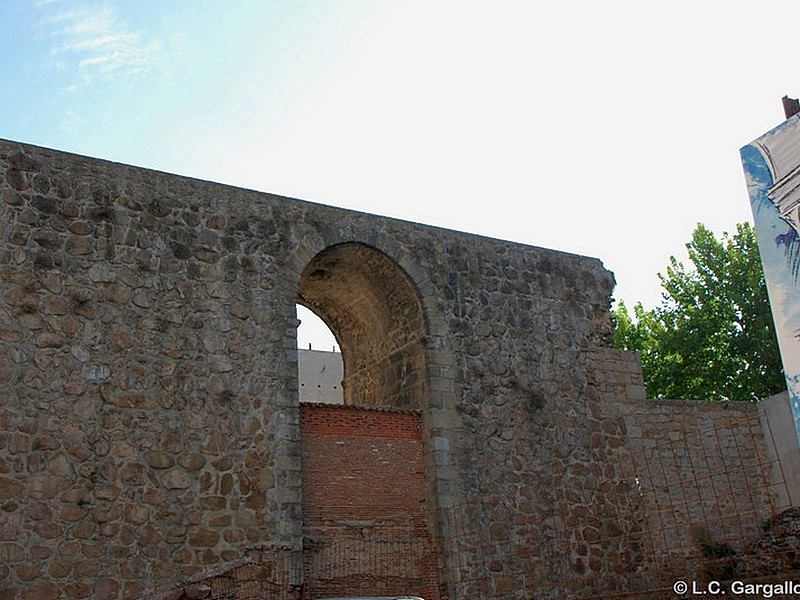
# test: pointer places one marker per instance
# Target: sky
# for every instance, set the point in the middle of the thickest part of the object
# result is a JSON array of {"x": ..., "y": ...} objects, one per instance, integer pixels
[{"x": 607, "y": 129}]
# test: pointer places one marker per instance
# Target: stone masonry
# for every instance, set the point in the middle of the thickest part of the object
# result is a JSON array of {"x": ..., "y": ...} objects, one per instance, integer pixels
[{"x": 149, "y": 413}]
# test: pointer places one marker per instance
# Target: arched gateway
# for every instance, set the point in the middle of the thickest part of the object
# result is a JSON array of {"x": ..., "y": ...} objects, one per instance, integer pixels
[
  {"x": 368, "y": 517},
  {"x": 152, "y": 439}
]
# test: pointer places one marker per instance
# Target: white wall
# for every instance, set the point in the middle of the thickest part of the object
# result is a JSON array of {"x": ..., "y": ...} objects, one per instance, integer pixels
[{"x": 320, "y": 376}]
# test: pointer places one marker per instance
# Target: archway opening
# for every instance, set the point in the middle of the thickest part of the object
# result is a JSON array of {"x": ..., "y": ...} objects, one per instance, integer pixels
[
  {"x": 313, "y": 333},
  {"x": 319, "y": 362},
  {"x": 376, "y": 314},
  {"x": 365, "y": 492}
]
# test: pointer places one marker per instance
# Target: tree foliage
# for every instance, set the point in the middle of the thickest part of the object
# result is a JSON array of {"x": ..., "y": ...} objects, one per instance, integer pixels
[{"x": 712, "y": 337}]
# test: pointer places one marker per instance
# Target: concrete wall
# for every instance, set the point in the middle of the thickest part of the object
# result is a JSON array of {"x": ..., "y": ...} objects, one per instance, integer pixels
[
  {"x": 320, "y": 375},
  {"x": 150, "y": 416}
]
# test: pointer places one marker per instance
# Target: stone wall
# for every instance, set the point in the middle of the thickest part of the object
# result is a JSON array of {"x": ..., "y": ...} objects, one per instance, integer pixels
[
  {"x": 781, "y": 440},
  {"x": 702, "y": 471},
  {"x": 149, "y": 413},
  {"x": 149, "y": 400}
]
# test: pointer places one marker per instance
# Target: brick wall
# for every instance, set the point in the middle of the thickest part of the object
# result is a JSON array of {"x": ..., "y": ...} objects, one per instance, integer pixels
[{"x": 364, "y": 504}]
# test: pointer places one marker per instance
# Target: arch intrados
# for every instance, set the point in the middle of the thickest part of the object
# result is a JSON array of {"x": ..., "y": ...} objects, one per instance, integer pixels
[
  {"x": 377, "y": 315},
  {"x": 339, "y": 280}
]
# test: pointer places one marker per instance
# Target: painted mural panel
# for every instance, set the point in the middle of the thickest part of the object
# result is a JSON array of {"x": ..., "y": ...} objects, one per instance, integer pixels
[{"x": 772, "y": 170}]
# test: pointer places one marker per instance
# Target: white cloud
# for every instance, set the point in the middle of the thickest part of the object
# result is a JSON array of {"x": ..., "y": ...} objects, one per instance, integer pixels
[
  {"x": 72, "y": 123},
  {"x": 97, "y": 41}
]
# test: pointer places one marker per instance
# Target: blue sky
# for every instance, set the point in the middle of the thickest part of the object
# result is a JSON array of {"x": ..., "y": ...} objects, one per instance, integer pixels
[{"x": 606, "y": 129}]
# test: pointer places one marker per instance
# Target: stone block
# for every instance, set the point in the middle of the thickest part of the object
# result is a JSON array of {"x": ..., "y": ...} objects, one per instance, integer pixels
[
  {"x": 176, "y": 479},
  {"x": 204, "y": 538}
]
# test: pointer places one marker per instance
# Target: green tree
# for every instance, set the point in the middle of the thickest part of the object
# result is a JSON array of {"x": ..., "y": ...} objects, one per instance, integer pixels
[{"x": 712, "y": 337}]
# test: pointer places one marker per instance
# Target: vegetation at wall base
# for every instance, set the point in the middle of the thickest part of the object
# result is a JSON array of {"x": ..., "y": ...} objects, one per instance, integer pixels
[{"x": 712, "y": 337}]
